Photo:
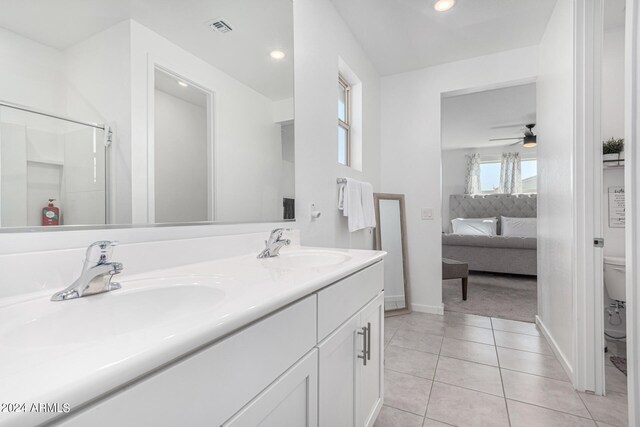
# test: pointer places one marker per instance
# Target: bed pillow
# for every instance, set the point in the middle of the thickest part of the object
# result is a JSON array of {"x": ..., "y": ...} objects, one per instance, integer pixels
[
  {"x": 518, "y": 227},
  {"x": 475, "y": 226}
]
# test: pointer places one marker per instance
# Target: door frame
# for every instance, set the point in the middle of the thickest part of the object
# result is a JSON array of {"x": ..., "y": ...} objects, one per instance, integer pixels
[
  {"x": 157, "y": 64},
  {"x": 632, "y": 195},
  {"x": 588, "y": 290},
  {"x": 588, "y": 42}
]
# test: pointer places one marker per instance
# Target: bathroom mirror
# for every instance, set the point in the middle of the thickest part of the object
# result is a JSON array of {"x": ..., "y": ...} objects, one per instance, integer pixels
[
  {"x": 143, "y": 112},
  {"x": 391, "y": 237}
]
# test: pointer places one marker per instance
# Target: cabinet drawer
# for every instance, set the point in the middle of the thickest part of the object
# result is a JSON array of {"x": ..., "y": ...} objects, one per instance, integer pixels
[
  {"x": 210, "y": 386},
  {"x": 343, "y": 299}
]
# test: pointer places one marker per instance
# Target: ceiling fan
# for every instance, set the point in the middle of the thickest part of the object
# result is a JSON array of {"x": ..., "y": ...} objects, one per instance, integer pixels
[{"x": 528, "y": 140}]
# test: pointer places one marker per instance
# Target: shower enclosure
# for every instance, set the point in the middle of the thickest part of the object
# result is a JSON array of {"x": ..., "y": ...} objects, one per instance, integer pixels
[{"x": 46, "y": 156}]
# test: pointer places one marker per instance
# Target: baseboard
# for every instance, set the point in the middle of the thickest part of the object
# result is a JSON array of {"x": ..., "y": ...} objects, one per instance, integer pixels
[
  {"x": 556, "y": 350},
  {"x": 431, "y": 309},
  {"x": 394, "y": 298}
]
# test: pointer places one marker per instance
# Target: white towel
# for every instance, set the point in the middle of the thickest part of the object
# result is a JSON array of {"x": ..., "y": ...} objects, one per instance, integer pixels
[
  {"x": 355, "y": 199},
  {"x": 368, "y": 208}
]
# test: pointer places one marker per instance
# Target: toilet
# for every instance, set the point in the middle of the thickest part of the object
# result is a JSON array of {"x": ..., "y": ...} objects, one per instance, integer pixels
[{"x": 614, "y": 278}]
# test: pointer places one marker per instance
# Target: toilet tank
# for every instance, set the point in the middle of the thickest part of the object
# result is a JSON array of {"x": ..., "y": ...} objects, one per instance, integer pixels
[{"x": 614, "y": 278}]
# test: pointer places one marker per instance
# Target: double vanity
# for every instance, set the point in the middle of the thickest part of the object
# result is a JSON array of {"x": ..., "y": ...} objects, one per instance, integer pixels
[{"x": 288, "y": 340}]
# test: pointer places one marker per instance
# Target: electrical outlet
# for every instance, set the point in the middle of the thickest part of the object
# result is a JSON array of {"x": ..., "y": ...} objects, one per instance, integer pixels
[{"x": 427, "y": 213}]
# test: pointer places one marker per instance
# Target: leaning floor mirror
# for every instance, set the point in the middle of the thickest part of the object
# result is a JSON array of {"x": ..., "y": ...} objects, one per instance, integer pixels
[{"x": 391, "y": 237}]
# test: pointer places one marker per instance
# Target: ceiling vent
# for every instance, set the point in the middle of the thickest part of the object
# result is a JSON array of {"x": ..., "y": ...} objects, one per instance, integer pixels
[{"x": 220, "y": 26}]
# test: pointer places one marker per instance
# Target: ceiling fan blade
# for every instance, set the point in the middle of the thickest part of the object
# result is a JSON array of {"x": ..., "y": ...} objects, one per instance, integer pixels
[
  {"x": 515, "y": 125},
  {"x": 504, "y": 139}
]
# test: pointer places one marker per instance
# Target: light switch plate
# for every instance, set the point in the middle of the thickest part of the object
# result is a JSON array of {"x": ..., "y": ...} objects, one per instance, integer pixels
[{"x": 427, "y": 213}]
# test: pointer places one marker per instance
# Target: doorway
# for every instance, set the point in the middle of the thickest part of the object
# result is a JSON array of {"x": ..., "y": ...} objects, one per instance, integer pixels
[
  {"x": 489, "y": 202},
  {"x": 612, "y": 198},
  {"x": 181, "y": 185}
]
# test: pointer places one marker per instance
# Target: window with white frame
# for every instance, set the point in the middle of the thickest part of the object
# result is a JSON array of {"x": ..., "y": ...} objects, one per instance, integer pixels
[
  {"x": 529, "y": 176},
  {"x": 490, "y": 176},
  {"x": 344, "y": 121}
]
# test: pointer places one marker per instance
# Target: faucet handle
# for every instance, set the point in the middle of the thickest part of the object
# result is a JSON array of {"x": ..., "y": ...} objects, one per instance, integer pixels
[
  {"x": 277, "y": 232},
  {"x": 105, "y": 248}
]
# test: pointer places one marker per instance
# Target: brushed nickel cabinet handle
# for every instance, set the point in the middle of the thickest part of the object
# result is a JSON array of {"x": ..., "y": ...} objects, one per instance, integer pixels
[
  {"x": 363, "y": 356},
  {"x": 368, "y": 341}
]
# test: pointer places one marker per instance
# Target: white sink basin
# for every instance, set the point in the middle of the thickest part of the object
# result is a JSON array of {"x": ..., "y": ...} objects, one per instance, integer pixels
[
  {"x": 138, "y": 305},
  {"x": 309, "y": 259}
]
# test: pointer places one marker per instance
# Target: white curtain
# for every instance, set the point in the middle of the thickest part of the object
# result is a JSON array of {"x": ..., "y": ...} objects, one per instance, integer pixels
[
  {"x": 472, "y": 183},
  {"x": 510, "y": 174}
]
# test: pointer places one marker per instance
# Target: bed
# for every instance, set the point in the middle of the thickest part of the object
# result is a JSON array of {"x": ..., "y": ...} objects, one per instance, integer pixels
[{"x": 496, "y": 254}]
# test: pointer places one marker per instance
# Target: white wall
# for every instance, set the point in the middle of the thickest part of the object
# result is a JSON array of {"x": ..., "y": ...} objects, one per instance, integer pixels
[
  {"x": 613, "y": 83},
  {"x": 411, "y": 151},
  {"x": 99, "y": 89},
  {"x": 321, "y": 39},
  {"x": 248, "y": 159},
  {"x": 32, "y": 73},
  {"x": 44, "y": 78},
  {"x": 13, "y": 175},
  {"x": 83, "y": 177},
  {"x": 555, "y": 179},
  {"x": 454, "y": 165},
  {"x": 287, "y": 133},
  {"x": 180, "y": 160}
]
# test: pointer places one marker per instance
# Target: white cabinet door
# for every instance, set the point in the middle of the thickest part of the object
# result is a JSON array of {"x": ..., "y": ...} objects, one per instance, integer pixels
[
  {"x": 292, "y": 400},
  {"x": 339, "y": 374},
  {"x": 350, "y": 372},
  {"x": 371, "y": 378}
]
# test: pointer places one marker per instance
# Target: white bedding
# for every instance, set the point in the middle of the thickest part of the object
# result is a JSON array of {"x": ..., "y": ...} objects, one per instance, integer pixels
[
  {"x": 518, "y": 227},
  {"x": 475, "y": 226}
]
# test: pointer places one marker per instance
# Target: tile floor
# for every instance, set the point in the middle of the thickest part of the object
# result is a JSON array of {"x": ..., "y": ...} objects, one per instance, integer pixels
[{"x": 467, "y": 370}]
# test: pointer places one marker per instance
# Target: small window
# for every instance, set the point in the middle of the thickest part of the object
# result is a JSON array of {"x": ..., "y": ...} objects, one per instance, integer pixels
[
  {"x": 489, "y": 177},
  {"x": 344, "y": 121},
  {"x": 529, "y": 176}
]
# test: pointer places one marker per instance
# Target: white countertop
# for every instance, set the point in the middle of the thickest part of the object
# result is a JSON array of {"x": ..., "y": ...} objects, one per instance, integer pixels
[{"x": 91, "y": 357}]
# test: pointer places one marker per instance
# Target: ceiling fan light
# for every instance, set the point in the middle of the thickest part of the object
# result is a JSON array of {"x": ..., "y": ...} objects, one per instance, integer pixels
[
  {"x": 444, "y": 5},
  {"x": 529, "y": 141}
]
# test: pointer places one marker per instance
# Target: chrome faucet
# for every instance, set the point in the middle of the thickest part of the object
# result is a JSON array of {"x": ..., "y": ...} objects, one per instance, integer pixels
[
  {"x": 274, "y": 244},
  {"x": 96, "y": 275}
]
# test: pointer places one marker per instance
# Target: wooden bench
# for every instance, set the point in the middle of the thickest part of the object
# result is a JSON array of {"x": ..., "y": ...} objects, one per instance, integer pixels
[{"x": 452, "y": 269}]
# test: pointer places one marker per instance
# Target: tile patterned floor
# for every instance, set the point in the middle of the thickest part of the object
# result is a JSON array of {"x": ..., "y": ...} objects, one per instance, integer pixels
[{"x": 466, "y": 370}]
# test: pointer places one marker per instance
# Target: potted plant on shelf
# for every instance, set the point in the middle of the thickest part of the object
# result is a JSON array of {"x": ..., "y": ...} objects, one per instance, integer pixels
[{"x": 613, "y": 151}]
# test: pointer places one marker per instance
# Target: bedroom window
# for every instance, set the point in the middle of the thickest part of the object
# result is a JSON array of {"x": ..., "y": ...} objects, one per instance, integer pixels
[
  {"x": 490, "y": 176},
  {"x": 529, "y": 176},
  {"x": 344, "y": 121}
]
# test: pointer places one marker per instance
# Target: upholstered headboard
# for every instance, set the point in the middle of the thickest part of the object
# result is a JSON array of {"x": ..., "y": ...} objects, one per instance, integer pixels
[{"x": 490, "y": 205}]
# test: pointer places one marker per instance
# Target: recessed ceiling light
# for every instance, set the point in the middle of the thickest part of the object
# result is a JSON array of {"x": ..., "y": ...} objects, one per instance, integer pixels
[
  {"x": 444, "y": 5},
  {"x": 277, "y": 54},
  {"x": 183, "y": 84}
]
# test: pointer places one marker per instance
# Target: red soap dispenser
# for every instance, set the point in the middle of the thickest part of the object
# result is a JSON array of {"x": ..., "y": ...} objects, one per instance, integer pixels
[{"x": 51, "y": 214}]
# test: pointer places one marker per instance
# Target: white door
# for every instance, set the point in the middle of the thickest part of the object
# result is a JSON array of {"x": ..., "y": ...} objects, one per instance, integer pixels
[
  {"x": 338, "y": 375},
  {"x": 292, "y": 400},
  {"x": 371, "y": 386}
]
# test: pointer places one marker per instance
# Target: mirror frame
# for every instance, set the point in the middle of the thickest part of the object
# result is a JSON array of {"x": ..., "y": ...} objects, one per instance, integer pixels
[{"x": 405, "y": 261}]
